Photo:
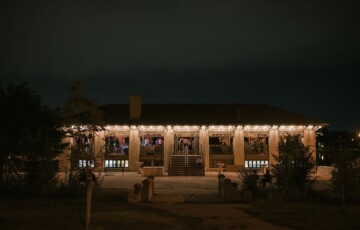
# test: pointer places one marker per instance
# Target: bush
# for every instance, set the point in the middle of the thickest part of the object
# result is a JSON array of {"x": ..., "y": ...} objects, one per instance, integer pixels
[
  {"x": 293, "y": 167},
  {"x": 346, "y": 177},
  {"x": 71, "y": 186},
  {"x": 250, "y": 183}
]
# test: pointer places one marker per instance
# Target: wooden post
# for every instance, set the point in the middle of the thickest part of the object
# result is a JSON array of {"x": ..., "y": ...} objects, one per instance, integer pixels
[{"x": 88, "y": 200}]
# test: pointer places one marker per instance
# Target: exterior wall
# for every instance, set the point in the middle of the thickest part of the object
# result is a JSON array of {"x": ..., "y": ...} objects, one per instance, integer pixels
[
  {"x": 238, "y": 146},
  {"x": 310, "y": 140},
  {"x": 238, "y": 143},
  {"x": 134, "y": 149},
  {"x": 273, "y": 145}
]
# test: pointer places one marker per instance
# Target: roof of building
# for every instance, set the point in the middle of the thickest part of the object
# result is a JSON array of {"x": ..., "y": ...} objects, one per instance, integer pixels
[{"x": 205, "y": 114}]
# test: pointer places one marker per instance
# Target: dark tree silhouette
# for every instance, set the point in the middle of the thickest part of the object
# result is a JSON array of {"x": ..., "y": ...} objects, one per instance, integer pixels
[
  {"x": 83, "y": 120},
  {"x": 29, "y": 133},
  {"x": 346, "y": 175},
  {"x": 293, "y": 166}
]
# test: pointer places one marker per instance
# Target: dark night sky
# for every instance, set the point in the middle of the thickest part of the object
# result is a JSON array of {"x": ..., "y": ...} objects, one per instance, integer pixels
[{"x": 303, "y": 56}]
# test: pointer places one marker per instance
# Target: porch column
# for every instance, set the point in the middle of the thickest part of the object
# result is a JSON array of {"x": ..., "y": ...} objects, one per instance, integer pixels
[
  {"x": 310, "y": 140},
  {"x": 134, "y": 149},
  {"x": 65, "y": 156},
  {"x": 99, "y": 150},
  {"x": 204, "y": 145},
  {"x": 168, "y": 146},
  {"x": 238, "y": 145},
  {"x": 273, "y": 145}
]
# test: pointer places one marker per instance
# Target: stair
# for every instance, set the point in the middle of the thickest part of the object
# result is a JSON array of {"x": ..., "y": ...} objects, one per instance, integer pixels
[
  {"x": 186, "y": 198},
  {"x": 178, "y": 167}
]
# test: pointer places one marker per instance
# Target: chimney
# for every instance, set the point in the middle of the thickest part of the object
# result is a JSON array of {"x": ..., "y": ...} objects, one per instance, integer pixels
[
  {"x": 135, "y": 107},
  {"x": 237, "y": 114}
]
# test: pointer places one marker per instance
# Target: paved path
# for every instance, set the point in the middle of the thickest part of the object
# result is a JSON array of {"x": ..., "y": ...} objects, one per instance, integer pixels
[
  {"x": 207, "y": 184},
  {"x": 193, "y": 197},
  {"x": 172, "y": 189}
]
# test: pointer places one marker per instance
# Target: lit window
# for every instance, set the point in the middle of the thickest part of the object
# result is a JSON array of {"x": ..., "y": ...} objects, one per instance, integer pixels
[{"x": 82, "y": 164}]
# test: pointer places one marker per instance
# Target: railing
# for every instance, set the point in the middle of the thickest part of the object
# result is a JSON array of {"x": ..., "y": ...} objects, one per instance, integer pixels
[
  {"x": 221, "y": 150},
  {"x": 256, "y": 149},
  {"x": 152, "y": 150}
]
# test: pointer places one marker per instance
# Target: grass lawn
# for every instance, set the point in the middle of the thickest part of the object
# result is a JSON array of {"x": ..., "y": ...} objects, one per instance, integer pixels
[
  {"x": 306, "y": 216},
  {"x": 68, "y": 214},
  {"x": 109, "y": 212}
]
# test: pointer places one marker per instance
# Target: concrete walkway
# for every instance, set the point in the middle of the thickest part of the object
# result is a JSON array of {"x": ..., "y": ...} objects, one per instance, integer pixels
[
  {"x": 207, "y": 184},
  {"x": 178, "y": 189},
  {"x": 181, "y": 189}
]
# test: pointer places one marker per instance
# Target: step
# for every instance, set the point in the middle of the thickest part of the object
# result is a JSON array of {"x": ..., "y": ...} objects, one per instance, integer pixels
[{"x": 185, "y": 198}]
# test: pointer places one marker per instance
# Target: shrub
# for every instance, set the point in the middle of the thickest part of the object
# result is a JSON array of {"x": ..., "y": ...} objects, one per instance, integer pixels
[
  {"x": 346, "y": 176},
  {"x": 293, "y": 167}
]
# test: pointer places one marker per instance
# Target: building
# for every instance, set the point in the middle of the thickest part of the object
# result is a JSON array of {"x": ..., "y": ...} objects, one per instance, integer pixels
[{"x": 166, "y": 135}]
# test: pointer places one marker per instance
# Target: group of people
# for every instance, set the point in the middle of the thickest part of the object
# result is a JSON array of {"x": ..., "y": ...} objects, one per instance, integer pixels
[
  {"x": 185, "y": 146},
  {"x": 151, "y": 141},
  {"x": 258, "y": 177},
  {"x": 117, "y": 144},
  {"x": 199, "y": 162},
  {"x": 256, "y": 145}
]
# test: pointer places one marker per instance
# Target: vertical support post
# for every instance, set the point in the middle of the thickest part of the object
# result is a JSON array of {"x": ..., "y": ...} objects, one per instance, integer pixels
[
  {"x": 310, "y": 140},
  {"x": 238, "y": 145},
  {"x": 204, "y": 142},
  {"x": 134, "y": 148},
  {"x": 168, "y": 143},
  {"x": 273, "y": 145}
]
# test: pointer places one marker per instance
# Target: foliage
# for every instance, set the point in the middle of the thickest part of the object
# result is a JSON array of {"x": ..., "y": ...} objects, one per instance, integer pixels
[
  {"x": 30, "y": 137},
  {"x": 82, "y": 120},
  {"x": 71, "y": 186},
  {"x": 346, "y": 176},
  {"x": 312, "y": 215},
  {"x": 293, "y": 167},
  {"x": 250, "y": 183},
  {"x": 330, "y": 143}
]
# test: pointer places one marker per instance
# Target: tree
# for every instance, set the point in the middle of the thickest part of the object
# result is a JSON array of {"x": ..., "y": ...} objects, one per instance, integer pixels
[
  {"x": 30, "y": 133},
  {"x": 346, "y": 176},
  {"x": 83, "y": 120},
  {"x": 331, "y": 143},
  {"x": 293, "y": 166}
]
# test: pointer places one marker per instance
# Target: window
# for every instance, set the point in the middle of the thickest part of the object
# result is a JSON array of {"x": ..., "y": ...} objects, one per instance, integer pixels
[
  {"x": 82, "y": 164},
  {"x": 117, "y": 144},
  {"x": 221, "y": 144},
  {"x": 256, "y": 164},
  {"x": 220, "y": 149},
  {"x": 116, "y": 163},
  {"x": 256, "y": 144},
  {"x": 151, "y": 144}
]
